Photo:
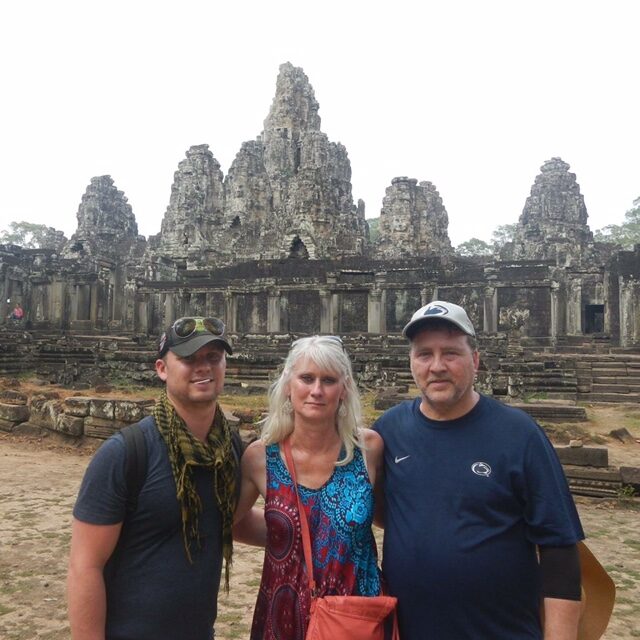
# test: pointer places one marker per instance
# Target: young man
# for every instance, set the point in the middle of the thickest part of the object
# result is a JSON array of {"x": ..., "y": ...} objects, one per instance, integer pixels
[
  {"x": 154, "y": 573},
  {"x": 474, "y": 492}
]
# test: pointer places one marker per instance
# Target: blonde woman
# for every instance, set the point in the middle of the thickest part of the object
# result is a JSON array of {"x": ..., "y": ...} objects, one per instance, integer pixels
[{"x": 315, "y": 404}]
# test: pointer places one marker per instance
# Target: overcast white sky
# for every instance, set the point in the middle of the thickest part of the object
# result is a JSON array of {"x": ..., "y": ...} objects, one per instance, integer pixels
[{"x": 472, "y": 96}]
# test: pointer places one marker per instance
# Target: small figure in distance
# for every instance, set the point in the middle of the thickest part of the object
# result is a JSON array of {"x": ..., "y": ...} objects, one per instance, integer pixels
[{"x": 17, "y": 314}]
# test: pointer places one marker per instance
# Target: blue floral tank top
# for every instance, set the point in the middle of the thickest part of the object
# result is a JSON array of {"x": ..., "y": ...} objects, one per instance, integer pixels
[{"x": 345, "y": 560}]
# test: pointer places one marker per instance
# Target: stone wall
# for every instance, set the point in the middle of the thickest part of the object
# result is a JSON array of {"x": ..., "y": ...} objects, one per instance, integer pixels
[{"x": 73, "y": 416}]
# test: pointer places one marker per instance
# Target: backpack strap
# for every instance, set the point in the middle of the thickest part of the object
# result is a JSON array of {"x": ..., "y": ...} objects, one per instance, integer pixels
[{"x": 135, "y": 472}]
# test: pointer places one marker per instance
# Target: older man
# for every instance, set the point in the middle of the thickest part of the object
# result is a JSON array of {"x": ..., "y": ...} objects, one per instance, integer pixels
[
  {"x": 153, "y": 573},
  {"x": 474, "y": 496}
]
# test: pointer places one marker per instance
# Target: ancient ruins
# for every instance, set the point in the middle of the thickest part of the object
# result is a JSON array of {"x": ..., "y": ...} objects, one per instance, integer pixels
[{"x": 278, "y": 248}]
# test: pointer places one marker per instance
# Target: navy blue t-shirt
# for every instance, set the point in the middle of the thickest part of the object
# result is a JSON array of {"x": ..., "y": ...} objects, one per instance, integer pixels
[
  {"x": 467, "y": 501},
  {"x": 153, "y": 592}
]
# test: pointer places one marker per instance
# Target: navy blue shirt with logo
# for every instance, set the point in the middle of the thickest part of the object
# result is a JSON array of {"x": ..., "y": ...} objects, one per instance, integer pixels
[{"x": 467, "y": 501}]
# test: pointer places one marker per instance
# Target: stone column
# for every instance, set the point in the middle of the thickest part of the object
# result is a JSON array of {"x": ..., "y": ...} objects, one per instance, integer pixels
[
  {"x": 208, "y": 304},
  {"x": 574, "y": 308},
  {"x": 141, "y": 319},
  {"x": 93, "y": 304},
  {"x": 4, "y": 294},
  {"x": 375, "y": 317},
  {"x": 169, "y": 310},
  {"x": 490, "y": 310},
  {"x": 118, "y": 300},
  {"x": 230, "y": 310},
  {"x": 273, "y": 311},
  {"x": 380, "y": 280},
  {"x": 75, "y": 303},
  {"x": 629, "y": 312},
  {"x": 57, "y": 304},
  {"x": 326, "y": 311},
  {"x": 336, "y": 312},
  {"x": 555, "y": 309}
]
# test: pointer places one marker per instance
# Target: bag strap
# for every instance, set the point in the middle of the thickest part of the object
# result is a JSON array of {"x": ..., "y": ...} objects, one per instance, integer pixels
[
  {"x": 306, "y": 536},
  {"x": 135, "y": 472},
  {"x": 304, "y": 524}
]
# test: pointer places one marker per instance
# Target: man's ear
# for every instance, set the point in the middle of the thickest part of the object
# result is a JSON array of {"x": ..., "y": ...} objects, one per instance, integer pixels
[
  {"x": 161, "y": 369},
  {"x": 476, "y": 361}
]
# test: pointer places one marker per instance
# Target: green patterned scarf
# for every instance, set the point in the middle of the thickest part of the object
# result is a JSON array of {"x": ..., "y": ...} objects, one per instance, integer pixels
[{"x": 186, "y": 451}]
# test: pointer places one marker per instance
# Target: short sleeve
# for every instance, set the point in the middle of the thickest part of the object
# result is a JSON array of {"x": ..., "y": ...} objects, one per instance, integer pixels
[
  {"x": 550, "y": 512},
  {"x": 103, "y": 494}
]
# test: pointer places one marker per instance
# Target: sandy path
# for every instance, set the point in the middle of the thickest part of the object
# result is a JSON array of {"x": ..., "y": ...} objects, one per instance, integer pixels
[{"x": 38, "y": 483}]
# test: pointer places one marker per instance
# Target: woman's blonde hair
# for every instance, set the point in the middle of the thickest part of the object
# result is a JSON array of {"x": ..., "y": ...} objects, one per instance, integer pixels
[{"x": 326, "y": 352}]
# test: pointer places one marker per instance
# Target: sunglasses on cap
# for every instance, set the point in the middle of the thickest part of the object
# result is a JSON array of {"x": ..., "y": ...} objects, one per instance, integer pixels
[
  {"x": 185, "y": 330},
  {"x": 184, "y": 327}
]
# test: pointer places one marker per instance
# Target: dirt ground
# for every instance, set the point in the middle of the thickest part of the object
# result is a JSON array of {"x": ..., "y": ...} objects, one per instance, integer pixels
[{"x": 39, "y": 479}]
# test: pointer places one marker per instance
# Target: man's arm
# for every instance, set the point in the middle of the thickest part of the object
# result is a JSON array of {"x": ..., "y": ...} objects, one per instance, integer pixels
[
  {"x": 560, "y": 584},
  {"x": 374, "y": 451},
  {"x": 251, "y": 528},
  {"x": 91, "y": 547},
  {"x": 249, "y": 525},
  {"x": 561, "y": 618}
]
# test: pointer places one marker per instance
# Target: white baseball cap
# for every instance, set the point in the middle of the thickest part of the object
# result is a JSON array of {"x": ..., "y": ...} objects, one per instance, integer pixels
[{"x": 439, "y": 310}]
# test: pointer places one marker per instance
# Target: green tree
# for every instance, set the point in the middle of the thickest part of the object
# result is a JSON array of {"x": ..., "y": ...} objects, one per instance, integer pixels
[
  {"x": 31, "y": 236},
  {"x": 374, "y": 228},
  {"x": 474, "y": 247},
  {"x": 501, "y": 235},
  {"x": 626, "y": 234}
]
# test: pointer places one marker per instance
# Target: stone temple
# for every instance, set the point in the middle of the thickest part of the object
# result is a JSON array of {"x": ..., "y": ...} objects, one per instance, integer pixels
[{"x": 278, "y": 246}]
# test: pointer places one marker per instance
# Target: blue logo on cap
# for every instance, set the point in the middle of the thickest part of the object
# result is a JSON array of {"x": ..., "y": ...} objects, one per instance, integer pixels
[{"x": 435, "y": 310}]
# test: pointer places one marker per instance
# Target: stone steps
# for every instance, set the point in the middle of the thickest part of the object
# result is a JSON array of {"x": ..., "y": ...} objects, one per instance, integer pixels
[
  {"x": 553, "y": 412},
  {"x": 619, "y": 387},
  {"x": 598, "y": 483},
  {"x": 631, "y": 398},
  {"x": 632, "y": 380}
]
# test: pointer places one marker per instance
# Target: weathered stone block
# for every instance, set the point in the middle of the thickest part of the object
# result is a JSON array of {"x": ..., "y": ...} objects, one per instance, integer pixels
[
  {"x": 631, "y": 476},
  {"x": 101, "y": 427},
  {"x": 70, "y": 424},
  {"x": 101, "y": 409},
  {"x": 44, "y": 412},
  {"x": 14, "y": 412},
  {"x": 77, "y": 406},
  {"x": 583, "y": 456},
  {"x": 12, "y": 397},
  {"x": 29, "y": 429},
  {"x": 384, "y": 402},
  {"x": 6, "y": 425},
  {"x": 623, "y": 435},
  {"x": 128, "y": 411}
]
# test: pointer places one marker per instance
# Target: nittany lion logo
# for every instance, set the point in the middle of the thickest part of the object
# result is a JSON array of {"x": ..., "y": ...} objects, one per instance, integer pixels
[
  {"x": 435, "y": 310},
  {"x": 481, "y": 469}
]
